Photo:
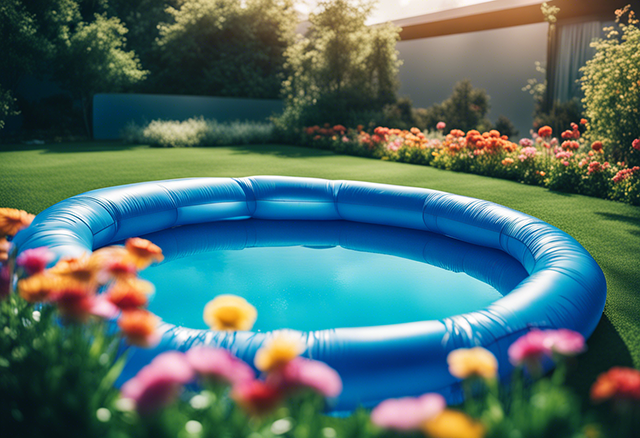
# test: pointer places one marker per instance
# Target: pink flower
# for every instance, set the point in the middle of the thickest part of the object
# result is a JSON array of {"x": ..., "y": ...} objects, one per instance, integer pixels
[
  {"x": 219, "y": 364},
  {"x": 525, "y": 142},
  {"x": 407, "y": 413},
  {"x": 158, "y": 384},
  {"x": 103, "y": 308},
  {"x": 565, "y": 342},
  {"x": 530, "y": 348},
  {"x": 307, "y": 373},
  {"x": 35, "y": 260},
  {"x": 636, "y": 144},
  {"x": 5, "y": 281},
  {"x": 441, "y": 125}
]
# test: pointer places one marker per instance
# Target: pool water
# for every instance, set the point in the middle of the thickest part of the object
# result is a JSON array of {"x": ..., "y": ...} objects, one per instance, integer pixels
[{"x": 310, "y": 287}]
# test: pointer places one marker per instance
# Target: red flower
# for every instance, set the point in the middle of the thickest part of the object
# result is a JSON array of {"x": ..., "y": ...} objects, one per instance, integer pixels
[
  {"x": 566, "y": 135},
  {"x": 256, "y": 397},
  {"x": 636, "y": 144},
  {"x": 583, "y": 121},
  {"x": 596, "y": 146},
  {"x": 545, "y": 131},
  {"x": 339, "y": 129},
  {"x": 618, "y": 383}
]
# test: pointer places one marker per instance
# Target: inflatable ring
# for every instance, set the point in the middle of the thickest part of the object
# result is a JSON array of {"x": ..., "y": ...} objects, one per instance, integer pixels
[{"x": 565, "y": 287}]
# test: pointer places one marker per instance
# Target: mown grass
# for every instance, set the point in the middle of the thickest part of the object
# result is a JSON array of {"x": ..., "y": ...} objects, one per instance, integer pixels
[{"x": 35, "y": 177}]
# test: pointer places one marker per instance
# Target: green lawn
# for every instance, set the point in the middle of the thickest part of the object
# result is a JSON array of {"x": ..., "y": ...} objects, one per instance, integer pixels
[{"x": 35, "y": 177}]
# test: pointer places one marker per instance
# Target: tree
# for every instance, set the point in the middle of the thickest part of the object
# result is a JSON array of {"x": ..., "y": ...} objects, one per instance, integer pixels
[
  {"x": 94, "y": 60},
  {"x": 466, "y": 109},
  {"x": 221, "y": 48},
  {"x": 343, "y": 69}
]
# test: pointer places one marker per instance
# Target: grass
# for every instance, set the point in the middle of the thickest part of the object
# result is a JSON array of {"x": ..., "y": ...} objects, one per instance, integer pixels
[{"x": 35, "y": 177}]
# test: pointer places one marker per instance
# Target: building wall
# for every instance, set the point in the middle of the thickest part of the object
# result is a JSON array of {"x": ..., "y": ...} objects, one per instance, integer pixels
[{"x": 498, "y": 60}]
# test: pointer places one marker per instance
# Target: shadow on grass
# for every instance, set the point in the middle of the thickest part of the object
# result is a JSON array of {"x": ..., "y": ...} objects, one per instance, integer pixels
[
  {"x": 280, "y": 150},
  {"x": 629, "y": 219},
  {"x": 67, "y": 148},
  {"x": 606, "y": 349}
]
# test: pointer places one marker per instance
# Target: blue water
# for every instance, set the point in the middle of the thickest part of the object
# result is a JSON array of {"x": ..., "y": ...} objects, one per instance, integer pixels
[{"x": 306, "y": 288}]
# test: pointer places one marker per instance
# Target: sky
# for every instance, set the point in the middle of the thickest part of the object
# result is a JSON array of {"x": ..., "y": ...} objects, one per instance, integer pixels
[{"x": 387, "y": 10}]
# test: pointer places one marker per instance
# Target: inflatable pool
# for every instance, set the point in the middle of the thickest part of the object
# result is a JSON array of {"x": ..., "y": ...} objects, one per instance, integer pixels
[{"x": 565, "y": 288}]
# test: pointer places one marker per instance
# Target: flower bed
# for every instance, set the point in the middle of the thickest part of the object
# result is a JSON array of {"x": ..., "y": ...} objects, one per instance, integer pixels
[
  {"x": 58, "y": 363},
  {"x": 567, "y": 164}
]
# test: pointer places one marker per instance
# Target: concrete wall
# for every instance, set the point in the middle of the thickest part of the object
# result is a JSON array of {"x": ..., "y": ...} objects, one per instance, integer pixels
[
  {"x": 112, "y": 112},
  {"x": 498, "y": 60}
]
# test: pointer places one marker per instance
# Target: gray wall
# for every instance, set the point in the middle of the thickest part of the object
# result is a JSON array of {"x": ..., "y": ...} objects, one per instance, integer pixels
[
  {"x": 499, "y": 60},
  {"x": 112, "y": 112}
]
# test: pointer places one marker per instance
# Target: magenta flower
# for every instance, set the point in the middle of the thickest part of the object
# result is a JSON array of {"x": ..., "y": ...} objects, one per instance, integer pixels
[
  {"x": 307, "y": 373},
  {"x": 529, "y": 349},
  {"x": 159, "y": 383},
  {"x": 407, "y": 413},
  {"x": 219, "y": 364},
  {"x": 5, "y": 281},
  {"x": 441, "y": 125},
  {"x": 35, "y": 260},
  {"x": 565, "y": 342}
]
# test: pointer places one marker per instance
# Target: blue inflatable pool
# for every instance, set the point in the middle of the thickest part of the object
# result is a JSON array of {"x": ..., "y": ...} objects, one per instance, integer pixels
[{"x": 565, "y": 288}]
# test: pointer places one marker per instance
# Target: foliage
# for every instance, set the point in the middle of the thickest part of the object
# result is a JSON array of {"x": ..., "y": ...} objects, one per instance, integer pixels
[
  {"x": 343, "y": 71},
  {"x": 466, "y": 109},
  {"x": 220, "y": 48},
  {"x": 6, "y": 105},
  {"x": 505, "y": 126},
  {"x": 53, "y": 378},
  {"x": 611, "y": 86},
  {"x": 560, "y": 115},
  {"x": 94, "y": 60},
  {"x": 198, "y": 132}
]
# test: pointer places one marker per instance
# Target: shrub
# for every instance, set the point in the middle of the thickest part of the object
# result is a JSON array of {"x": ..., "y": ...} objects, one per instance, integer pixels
[
  {"x": 611, "y": 88},
  {"x": 504, "y": 125},
  {"x": 466, "y": 109},
  {"x": 198, "y": 132}
]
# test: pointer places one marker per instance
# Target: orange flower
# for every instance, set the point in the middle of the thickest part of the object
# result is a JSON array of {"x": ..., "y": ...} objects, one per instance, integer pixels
[
  {"x": 113, "y": 263},
  {"x": 139, "y": 327},
  {"x": 13, "y": 220},
  {"x": 130, "y": 293},
  {"x": 38, "y": 287},
  {"x": 143, "y": 252},
  {"x": 453, "y": 424},
  {"x": 79, "y": 269},
  {"x": 619, "y": 383},
  {"x": 545, "y": 131},
  {"x": 4, "y": 249}
]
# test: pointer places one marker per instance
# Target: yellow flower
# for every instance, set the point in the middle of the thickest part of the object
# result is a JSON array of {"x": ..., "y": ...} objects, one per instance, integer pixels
[
  {"x": 453, "y": 424},
  {"x": 229, "y": 312},
  {"x": 472, "y": 362},
  {"x": 279, "y": 350}
]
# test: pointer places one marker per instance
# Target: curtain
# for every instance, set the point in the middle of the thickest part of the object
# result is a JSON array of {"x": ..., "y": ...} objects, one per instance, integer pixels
[{"x": 573, "y": 51}]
